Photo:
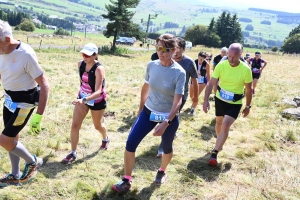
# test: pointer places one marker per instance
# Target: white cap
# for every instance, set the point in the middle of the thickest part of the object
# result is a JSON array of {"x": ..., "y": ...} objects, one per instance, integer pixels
[
  {"x": 224, "y": 49},
  {"x": 89, "y": 49}
]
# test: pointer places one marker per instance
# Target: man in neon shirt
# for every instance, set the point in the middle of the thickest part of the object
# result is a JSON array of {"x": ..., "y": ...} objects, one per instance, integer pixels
[{"x": 234, "y": 76}]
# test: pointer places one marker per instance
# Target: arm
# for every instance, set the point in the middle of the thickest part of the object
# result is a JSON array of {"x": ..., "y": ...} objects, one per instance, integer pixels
[
  {"x": 248, "y": 99},
  {"x": 44, "y": 93},
  {"x": 212, "y": 82},
  {"x": 144, "y": 96},
  {"x": 196, "y": 92},
  {"x": 265, "y": 64},
  {"x": 208, "y": 72},
  {"x": 160, "y": 129}
]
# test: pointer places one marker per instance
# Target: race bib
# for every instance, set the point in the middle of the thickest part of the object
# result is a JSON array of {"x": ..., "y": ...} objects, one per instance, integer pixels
[
  {"x": 158, "y": 116},
  {"x": 227, "y": 96},
  {"x": 255, "y": 70},
  {"x": 201, "y": 79},
  {"x": 9, "y": 104},
  {"x": 85, "y": 95}
]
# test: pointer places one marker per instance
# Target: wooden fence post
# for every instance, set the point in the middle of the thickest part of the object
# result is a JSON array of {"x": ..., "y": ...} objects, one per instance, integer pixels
[{"x": 40, "y": 44}]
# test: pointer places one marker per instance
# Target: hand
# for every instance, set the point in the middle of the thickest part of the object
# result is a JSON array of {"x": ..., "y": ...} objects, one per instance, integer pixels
[
  {"x": 246, "y": 112},
  {"x": 160, "y": 129},
  {"x": 206, "y": 106},
  {"x": 77, "y": 101},
  {"x": 35, "y": 123}
]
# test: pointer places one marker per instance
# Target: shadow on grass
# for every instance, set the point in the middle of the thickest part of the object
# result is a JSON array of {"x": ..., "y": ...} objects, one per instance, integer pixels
[
  {"x": 50, "y": 170},
  {"x": 129, "y": 121},
  {"x": 146, "y": 161},
  {"x": 145, "y": 194},
  {"x": 208, "y": 132},
  {"x": 208, "y": 173}
]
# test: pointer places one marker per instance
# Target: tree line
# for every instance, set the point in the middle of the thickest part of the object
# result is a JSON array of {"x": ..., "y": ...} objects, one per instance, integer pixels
[
  {"x": 292, "y": 42},
  {"x": 221, "y": 32}
]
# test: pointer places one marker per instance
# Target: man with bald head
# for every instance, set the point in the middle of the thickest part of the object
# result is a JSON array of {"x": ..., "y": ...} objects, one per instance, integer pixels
[{"x": 234, "y": 76}]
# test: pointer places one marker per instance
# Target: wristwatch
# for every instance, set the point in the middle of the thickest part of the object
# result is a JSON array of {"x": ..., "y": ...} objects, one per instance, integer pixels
[
  {"x": 168, "y": 121},
  {"x": 84, "y": 100},
  {"x": 248, "y": 107}
]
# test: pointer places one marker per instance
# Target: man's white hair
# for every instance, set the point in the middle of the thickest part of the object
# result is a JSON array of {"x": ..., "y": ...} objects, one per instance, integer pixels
[{"x": 5, "y": 30}]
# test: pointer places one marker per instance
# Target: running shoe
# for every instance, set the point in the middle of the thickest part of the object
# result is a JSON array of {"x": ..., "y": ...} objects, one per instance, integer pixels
[
  {"x": 213, "y": 162},
  {"x": 160, "y": 178},
  {"x": 69, "y": 159},
  {"x": 123, "y": 186},
  {"x": 9, "y": 179},
  {"x": 104, "y": 144},
  {"x": 30, "y": 170},
  {"x": 192, "y": 111}
]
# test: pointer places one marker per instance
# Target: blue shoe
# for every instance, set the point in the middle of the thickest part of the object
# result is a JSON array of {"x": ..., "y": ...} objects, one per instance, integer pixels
[
  {"x": 9, "y": 179},
  {"x": 30, "y": 170}
]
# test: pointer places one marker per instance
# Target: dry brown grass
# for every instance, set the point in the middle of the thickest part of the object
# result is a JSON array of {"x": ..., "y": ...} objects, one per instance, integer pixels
[{"x": 258, "y": 162}]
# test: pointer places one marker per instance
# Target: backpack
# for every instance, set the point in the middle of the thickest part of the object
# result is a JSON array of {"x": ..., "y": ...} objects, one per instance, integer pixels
[
  {"x": 202, "y": 69},
  {"x": 256, "y": 63},
  {"x": 91, "y": 74}
]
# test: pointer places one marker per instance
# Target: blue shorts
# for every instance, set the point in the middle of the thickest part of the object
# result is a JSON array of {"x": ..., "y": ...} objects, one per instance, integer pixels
[
  {"x": 205, "y": 81},
  {"x": 142, "y": 126}
]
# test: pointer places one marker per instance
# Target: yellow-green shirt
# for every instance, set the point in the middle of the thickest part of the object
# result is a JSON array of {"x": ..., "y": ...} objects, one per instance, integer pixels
[{"x": 232, "y": 79}]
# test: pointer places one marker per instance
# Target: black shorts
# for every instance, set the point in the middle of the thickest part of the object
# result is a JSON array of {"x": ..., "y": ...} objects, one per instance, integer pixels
[
  {"x": 223, "y": 108},
  {"x": 15, "y": 122},
  {"x": 255, "y": 75},
  {"x": 98, "y": 106}
]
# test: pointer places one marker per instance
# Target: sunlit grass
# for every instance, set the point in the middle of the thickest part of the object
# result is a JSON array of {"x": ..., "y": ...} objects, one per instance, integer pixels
[{"x": 258, "y": 160}]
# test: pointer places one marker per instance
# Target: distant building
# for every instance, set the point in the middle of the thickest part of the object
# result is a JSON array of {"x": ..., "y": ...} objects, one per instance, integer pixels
[
  {"x": 51, "y": 27},
  {"x": 35, "y": 20}
]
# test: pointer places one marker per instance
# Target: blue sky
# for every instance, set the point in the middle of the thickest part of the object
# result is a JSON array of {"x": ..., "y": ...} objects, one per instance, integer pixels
[{"x": 280, "y": 5}]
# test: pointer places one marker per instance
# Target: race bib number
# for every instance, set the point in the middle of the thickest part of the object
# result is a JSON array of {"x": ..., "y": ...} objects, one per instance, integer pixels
[
  {"x": 9, "y": 104},
  {"x": 158, "y": 117},
  {"x": 85, "y": 95},
  {"x": 227, "y": 96},
  {"x": 201, "y": 79}
]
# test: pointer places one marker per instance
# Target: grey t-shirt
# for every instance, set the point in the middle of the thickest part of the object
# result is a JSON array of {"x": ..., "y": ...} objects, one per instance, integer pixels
[
  {"x": 164, "y": 83},
  {"x": 191, "y": 72}
]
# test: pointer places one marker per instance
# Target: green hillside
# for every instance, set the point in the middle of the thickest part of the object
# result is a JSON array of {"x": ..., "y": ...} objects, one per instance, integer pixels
[{"x": 184, "y": 13}]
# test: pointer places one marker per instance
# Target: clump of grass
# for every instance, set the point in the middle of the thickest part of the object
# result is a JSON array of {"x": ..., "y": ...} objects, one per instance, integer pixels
[
  {"x": 271, "y": 146},
  {"x": 242, "y": 153},
  {"x": 290, "y": 136}
]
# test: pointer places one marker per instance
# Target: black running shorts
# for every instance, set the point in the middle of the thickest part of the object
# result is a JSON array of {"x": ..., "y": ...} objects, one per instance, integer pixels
[
  {"x": 255, "y": 75},
  {"x": 98, "y": 106},
  {"x": 223, "y": 108},
  {"x": 15, "y": 122}
]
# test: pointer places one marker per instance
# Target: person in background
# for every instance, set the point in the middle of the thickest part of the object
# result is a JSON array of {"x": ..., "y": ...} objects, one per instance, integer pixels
[
  {"x": 216, "y": 61},
  {"x": 257, "y": 66},
  {"x": 91, "y": 96},
  {"x": 203, "y": 72}
]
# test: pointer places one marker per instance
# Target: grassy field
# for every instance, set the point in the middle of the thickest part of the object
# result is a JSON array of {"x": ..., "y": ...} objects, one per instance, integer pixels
[{"x": 259, "y": 161}]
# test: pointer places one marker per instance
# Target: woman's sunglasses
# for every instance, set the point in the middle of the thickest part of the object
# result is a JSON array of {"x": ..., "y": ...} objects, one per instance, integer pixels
[{"x": 163, "y": 49}]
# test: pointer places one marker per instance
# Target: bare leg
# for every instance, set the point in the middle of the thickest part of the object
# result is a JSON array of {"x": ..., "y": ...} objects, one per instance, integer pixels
[
  {"x": 97, "y": 116},
  {"x": 80, "y": 111}
]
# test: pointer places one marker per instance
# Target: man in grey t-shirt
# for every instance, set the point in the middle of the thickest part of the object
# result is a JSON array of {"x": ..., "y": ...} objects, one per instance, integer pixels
[{"x": 190, "y": 71}]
